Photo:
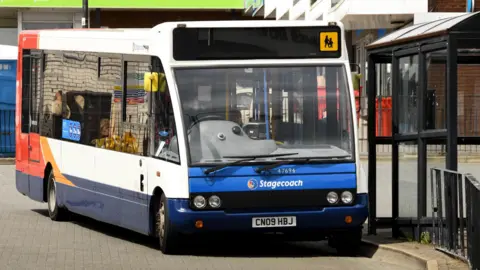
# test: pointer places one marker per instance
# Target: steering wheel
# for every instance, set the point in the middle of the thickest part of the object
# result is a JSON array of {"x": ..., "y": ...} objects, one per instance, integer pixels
[{"x": 205, "y": 118}]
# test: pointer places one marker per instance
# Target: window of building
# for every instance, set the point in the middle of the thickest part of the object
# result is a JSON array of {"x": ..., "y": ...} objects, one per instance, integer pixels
[{"x": 46, "y": 25}]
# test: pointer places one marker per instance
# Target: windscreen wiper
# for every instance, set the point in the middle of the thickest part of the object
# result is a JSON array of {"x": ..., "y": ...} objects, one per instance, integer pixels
[
  {"x": 297, "y": 159},
  {"x": 244, "y": 159}
]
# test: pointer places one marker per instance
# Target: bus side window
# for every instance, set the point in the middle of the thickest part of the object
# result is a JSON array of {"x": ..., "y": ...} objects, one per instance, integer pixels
[
  {"x": 26, "y": 75},
  {"x": 165, "y": 142},
  {"x": 79, "y": 90},
  {"x": 31, "y": 76}
]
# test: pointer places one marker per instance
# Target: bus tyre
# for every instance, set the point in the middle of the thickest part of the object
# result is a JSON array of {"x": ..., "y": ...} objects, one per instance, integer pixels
[
  {"x": 55, "y": 212},
  {"x": 348, "y": 243},
  {"x": 168, "y": 238}
]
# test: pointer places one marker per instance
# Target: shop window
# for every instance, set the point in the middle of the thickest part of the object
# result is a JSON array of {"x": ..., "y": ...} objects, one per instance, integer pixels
[{"x": 46, "y": 25}]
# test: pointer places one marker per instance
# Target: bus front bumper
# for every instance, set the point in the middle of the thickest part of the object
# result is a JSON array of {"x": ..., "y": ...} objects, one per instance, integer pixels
[{"x": 183, "y": 219}]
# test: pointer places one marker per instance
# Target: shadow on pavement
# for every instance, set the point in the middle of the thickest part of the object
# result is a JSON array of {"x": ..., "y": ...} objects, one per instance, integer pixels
[
  {"x": 106, "y": 229},
  {"x": 222, "y": 246}
]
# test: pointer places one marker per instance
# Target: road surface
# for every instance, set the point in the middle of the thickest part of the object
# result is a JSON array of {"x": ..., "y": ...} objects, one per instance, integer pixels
[{"x": 30, "y": 240}]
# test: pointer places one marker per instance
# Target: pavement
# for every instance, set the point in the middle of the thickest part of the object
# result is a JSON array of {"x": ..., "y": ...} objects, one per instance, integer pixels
[
  {"x": 30, "y": 240},
  {"x": 424, "y": 255},
  {"x": 408, "y": 183}
]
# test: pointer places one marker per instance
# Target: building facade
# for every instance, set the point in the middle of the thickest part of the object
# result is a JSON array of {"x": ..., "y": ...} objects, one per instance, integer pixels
[
  {"x": 368, "y": 20},
  {"x": 20, "y": 15}
]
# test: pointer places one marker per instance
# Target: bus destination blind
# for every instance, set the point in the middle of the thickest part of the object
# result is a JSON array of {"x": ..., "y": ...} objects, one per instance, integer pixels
[{"x": 256, "y": 43}]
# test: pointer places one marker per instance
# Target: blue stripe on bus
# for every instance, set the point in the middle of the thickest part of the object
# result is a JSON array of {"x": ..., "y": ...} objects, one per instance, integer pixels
[
  {"x": 130, "y": 209},
  {"x": 294, "y": 177},
  {"x": 106, "y": 203}
]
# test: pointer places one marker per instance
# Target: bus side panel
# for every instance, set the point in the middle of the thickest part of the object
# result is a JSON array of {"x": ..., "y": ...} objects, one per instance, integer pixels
[
  {"x": 21, "y": 140},
  {"x": 36, "y": 168},
  {"x": 118, "y": 185},
  {"x": 100, "y": 184}
]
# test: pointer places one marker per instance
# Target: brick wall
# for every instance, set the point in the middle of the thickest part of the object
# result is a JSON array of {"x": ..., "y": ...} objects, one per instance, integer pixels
[
  {"x": 468, "y": 97},
  {"x": 468, "y": 82},
  {"x": 451, "y": 5},
  {"x": 436, "y": 81}
]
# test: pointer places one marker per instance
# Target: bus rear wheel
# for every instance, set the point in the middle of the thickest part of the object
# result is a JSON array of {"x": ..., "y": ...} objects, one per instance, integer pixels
[
  {"x": 55, "y": 212},
  {"x": 167, "y": 237}
]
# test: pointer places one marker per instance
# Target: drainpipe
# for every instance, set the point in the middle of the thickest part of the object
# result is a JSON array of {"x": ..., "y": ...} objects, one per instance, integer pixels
[
  {"x": 85, "y": 14},
  {"x": 470, "y": 5}
]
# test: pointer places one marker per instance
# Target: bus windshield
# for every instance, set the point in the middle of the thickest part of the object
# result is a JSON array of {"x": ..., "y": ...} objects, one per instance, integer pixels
[{"x": 236, "y": 112}]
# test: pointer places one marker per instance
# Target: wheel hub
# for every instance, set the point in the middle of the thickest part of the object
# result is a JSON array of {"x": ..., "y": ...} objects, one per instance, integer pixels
[{"x": 161, "y": 221}]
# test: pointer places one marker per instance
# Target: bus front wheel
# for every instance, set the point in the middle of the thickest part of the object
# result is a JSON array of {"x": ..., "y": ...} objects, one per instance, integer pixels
[
  {"x": 55, "y": 212},
  {"x": 347, "y": 243},
  {"x": 168, "y": 238}
]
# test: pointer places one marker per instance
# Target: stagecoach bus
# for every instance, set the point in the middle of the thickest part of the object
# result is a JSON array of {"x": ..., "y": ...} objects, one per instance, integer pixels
[{"x": 194, "y": 127}]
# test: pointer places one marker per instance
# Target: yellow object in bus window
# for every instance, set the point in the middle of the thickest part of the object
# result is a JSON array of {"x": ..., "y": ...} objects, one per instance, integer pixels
[
  {"x": 129, "y": 143},
  {"x": 150, "y": 82},
  {"x": 154, "y": 81}
]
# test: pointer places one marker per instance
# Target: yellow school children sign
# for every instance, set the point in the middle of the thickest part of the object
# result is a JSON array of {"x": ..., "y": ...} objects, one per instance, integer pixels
[{"x": 329, "y": 41}]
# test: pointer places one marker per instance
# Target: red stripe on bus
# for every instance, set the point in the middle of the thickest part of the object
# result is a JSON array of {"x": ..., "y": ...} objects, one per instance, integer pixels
[{"x": 28, "y": 40}]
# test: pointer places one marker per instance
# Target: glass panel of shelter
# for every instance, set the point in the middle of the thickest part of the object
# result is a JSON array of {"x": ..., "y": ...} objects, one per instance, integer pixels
[
  {"x": 468, "y": 87},
  {"x": 407, "y": 94}
]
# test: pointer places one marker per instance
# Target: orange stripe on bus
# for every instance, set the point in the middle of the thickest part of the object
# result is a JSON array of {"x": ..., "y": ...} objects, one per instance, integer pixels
[{"x": 48, "y": 157}]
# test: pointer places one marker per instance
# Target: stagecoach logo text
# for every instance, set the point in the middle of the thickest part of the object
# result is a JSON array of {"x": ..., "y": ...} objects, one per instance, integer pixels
[{"x": 254, "y": 184}]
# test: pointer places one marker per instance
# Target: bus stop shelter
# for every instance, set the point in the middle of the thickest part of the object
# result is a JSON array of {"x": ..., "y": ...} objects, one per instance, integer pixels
[{"x": 433, "y": 103}]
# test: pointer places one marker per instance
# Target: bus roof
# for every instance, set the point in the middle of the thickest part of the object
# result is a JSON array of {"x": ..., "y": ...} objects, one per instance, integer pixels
[{"x": 133, "y": 40}]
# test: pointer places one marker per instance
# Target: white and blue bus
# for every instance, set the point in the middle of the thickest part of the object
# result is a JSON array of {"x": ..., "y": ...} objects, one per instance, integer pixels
[{"x": 194, "y": 127}]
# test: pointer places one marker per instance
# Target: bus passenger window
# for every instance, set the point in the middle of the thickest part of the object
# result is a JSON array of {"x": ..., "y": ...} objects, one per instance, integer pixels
[
  {"x": 165, "y": 141},
  {"x": 79, "y": 93},
  {"x": 31, "y": 90}
]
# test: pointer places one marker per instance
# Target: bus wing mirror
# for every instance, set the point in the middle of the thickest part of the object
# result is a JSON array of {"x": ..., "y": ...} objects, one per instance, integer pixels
[
  {"x": 154, "y": 81},
  {"x": 354, "y": 67}
]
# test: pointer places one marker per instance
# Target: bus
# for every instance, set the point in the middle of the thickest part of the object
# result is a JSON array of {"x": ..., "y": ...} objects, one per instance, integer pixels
[{"x": 192, "y": 128}]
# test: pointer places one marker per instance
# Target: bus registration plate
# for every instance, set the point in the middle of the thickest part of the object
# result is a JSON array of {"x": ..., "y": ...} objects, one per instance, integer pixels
[{"x": 271, "y": 222}]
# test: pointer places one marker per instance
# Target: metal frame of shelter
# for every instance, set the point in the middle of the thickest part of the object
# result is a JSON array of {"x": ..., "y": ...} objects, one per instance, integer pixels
[{"x": 454, "y": 40}]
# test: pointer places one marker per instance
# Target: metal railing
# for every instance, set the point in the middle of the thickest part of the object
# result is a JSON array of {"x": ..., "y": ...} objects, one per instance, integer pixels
[
  {"x": 456, "y": 214},
  {"x": 7, "y": 132}
]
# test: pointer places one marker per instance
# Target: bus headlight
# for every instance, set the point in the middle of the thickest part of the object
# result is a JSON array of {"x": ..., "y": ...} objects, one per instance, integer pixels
[
  {"x": 332, "y": 197},
  {"x": 214, "y": 201},
  {"x": 199, "y": 202},
  {"x": 347, "y": 197}
]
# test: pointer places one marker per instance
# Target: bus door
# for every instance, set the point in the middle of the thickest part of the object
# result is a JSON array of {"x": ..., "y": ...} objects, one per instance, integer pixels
[
  {"x": 34, "y": 111},
  {"x": 31, "y": 68}
]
